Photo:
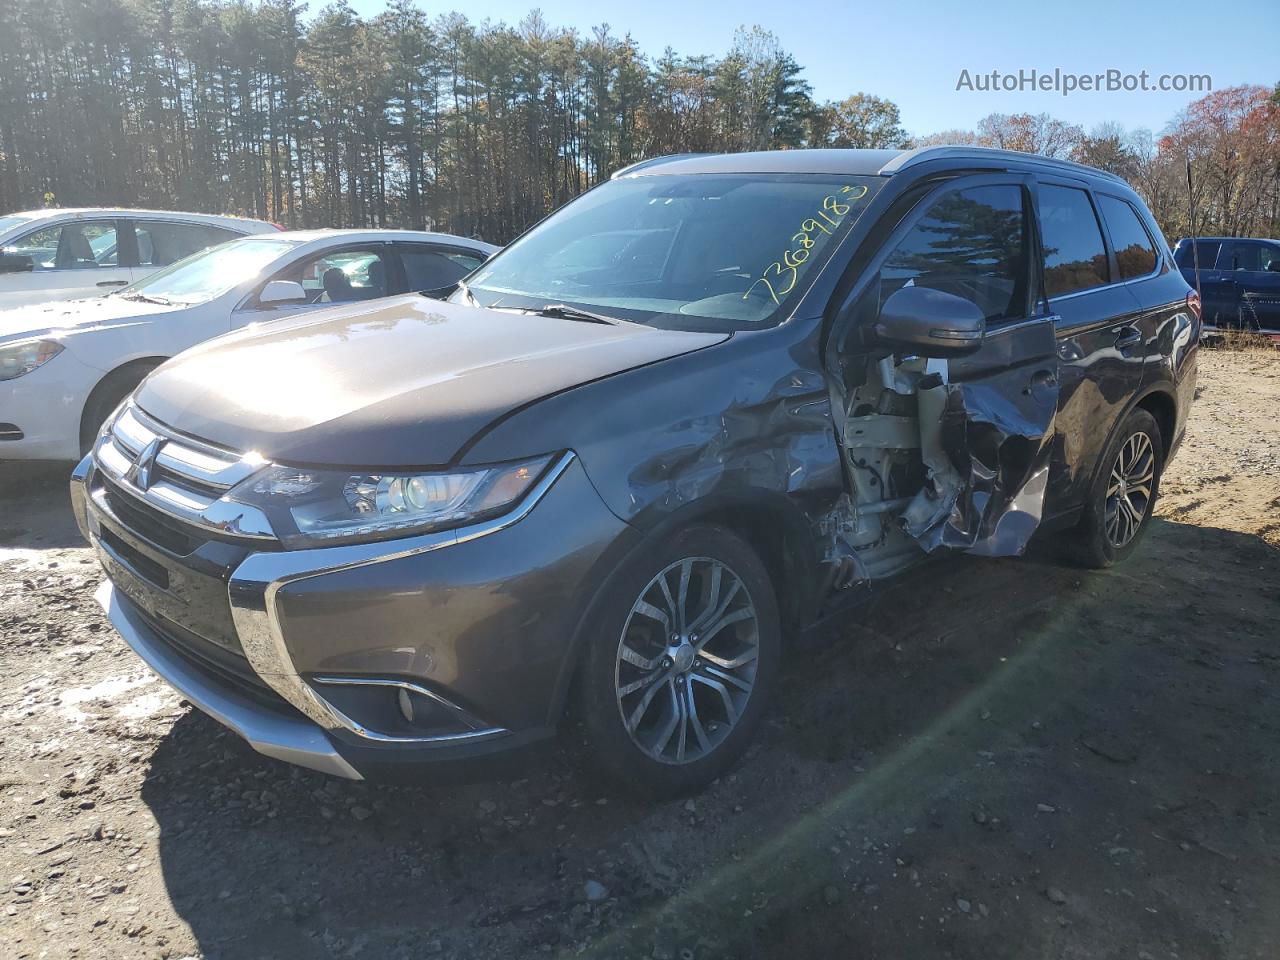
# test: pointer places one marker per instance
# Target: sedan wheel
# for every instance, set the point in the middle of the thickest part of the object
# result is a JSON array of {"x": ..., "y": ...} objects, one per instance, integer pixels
[{"x": 686, "y": 663}]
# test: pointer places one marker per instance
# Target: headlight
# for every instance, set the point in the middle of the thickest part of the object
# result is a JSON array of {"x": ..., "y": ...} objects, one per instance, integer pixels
[
  {"x": 310, "y": 508},
  {"x": 19, "y": 358}
]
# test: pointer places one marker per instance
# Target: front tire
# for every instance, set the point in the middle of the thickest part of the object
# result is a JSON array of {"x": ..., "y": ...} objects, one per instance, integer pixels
[
  {"x": 1123, "y": 495},
  {"x": 106, "y": 396},
  {"x": 680, "y": 662}
]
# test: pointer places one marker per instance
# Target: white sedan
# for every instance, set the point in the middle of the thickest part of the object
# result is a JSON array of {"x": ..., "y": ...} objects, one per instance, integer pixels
[
  {"x": 63, "y": 254},
  {"x": 64, "y": 367}
]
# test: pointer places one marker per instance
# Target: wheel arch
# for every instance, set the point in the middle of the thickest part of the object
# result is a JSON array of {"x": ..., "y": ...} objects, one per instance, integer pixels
[
  {"x": 138, "y": 367},
  {"x": 1157, "y": 400},
  {"x": 1161, "y": 404}
]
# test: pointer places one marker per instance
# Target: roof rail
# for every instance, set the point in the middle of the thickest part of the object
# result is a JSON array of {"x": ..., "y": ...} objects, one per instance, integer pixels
[
  {"x": 911, "y": 158},
  {"x": 652, "y": 162}
]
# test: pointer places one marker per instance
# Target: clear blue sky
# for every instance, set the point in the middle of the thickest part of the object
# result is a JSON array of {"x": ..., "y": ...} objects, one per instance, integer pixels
[{"x": 914, "y": 54}]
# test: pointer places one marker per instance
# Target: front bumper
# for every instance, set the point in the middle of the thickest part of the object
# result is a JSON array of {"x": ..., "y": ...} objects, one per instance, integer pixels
[
  {"x": 45, "y": 407},
  {"x": 480, "y": 619},
  {"x": 273, "y": 733}
]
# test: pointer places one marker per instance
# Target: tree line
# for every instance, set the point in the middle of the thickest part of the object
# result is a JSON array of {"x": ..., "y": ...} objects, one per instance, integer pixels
[
  {"x": 401, "y": 119},
  {"x": 1230, "y": 138}
]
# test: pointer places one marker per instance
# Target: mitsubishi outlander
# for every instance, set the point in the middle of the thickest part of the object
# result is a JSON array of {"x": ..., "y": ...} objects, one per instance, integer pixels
[{"x": 705, "y": 405}]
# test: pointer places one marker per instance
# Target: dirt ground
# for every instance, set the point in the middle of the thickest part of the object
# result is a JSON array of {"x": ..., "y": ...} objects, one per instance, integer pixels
[{"x": 996, "y": 759}]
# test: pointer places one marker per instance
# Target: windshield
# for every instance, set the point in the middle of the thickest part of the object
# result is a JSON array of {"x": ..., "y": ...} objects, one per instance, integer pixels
[
  {"x": 209, "y": 273},
  {"x": 8, "y": 223},
  {"x": 696, "y": 252}
]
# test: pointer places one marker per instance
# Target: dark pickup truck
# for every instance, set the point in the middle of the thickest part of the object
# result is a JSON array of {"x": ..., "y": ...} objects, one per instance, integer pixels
[{"x": 1239, "y": 281}]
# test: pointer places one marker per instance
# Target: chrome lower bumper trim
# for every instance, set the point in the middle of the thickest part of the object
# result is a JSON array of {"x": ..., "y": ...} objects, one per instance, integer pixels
[
  {"x": 476, "y": 730},
  {"x": 292, "y": 740}
]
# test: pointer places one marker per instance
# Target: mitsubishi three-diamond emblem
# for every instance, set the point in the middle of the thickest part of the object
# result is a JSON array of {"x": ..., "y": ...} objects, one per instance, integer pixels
[{"x": 140, "y": 473}]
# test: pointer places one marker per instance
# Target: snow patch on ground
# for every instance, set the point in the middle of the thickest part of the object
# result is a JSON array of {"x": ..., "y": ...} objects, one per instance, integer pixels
[{"x": 110, "y": 689}]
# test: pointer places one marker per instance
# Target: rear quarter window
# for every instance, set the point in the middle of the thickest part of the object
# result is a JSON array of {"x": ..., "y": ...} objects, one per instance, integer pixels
[{"x": 1135, "y": 253}]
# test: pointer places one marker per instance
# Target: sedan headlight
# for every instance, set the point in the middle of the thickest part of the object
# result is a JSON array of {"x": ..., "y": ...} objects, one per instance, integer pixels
[
  {"x": 19, "y": 358},
  {"x": 310, "y": 508}
]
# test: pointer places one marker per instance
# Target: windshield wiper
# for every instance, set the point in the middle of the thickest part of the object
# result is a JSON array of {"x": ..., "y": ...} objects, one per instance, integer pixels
[
  {"x": 566, "y": 312},
  {"x": 144, "y": 298}
]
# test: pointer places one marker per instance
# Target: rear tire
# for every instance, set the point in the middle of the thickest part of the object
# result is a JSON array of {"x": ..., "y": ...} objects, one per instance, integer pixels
[
  {"x": 1123, "y": 494},
  {"x": 671, "y": 693}
]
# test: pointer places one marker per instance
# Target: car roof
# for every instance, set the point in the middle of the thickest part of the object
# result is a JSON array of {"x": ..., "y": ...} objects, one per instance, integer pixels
[
  {"x": 851, "y": 162},
  {"x": 1229, "y": 239},
  {"x": 385, "y": 236},
  {"x": 66, "y": 213},
  {"x": 830, "y": 161}
]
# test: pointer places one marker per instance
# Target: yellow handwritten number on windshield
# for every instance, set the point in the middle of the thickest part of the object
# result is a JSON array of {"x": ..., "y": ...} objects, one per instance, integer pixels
[{"x": 786, "y": 270}]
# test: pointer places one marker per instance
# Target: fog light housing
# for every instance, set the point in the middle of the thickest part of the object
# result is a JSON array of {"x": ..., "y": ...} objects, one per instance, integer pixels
[{"x": 392, "y": 709}]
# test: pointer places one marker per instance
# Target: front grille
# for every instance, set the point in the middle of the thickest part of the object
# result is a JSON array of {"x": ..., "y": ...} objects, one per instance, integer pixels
[
  {"x": 174, "y": 536},
  {"x": 135, "y": 559},
  {"x": 170, "y": 488}
]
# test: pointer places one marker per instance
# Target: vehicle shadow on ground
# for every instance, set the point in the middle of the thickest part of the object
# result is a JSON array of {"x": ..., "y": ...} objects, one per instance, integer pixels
[
  {"x": 35, "y": 506},
  {"x": 983, "y": 732}
]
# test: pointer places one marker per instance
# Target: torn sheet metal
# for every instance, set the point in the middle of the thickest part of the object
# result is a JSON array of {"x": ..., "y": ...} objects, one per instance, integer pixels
[
  {"x": 837, "y": 533},
  {"x": 986, "y": 495}
]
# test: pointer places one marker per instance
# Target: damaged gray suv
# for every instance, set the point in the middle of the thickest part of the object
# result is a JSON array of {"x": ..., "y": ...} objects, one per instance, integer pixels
[{"x": 700, "y": 408}]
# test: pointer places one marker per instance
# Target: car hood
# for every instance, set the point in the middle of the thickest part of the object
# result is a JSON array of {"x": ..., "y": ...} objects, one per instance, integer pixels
[
  {"x": 70, "y": 317},
  {"x": 401, "y": 383}
]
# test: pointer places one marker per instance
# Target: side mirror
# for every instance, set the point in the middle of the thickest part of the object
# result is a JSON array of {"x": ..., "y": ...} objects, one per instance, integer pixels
[
  {"x": 279, "y": 292},
  {"x": 16, "y": 263},
  {"x": 930, "y": 323}
]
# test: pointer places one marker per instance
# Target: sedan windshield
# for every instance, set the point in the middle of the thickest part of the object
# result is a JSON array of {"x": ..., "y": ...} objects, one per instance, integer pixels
[
  {"x": 697, "y": 252},
  {"x": 209, "y": 273},
  {"x": 8, "y": 223}
]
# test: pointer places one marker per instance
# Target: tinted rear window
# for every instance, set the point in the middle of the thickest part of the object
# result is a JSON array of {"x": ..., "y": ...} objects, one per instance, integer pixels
[
  {"x": 1075, "y": 258},
  {"x": 1135, "y": 253}
]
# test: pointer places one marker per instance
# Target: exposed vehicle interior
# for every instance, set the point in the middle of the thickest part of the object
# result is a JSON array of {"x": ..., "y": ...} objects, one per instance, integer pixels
[
  {"x": 969, "y": 244},
  {"x": 71, "y": 247}
]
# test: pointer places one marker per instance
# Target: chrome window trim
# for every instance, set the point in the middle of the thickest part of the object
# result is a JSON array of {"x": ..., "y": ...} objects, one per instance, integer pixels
[
  {"x": 1105, "y": 286},
  {"x": 254, "y": 584}
]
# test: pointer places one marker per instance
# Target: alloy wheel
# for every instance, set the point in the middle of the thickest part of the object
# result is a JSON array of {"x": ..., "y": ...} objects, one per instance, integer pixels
[
  {"x": 686, "y": 664},
  {"x": 1129, "y": 489}
]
